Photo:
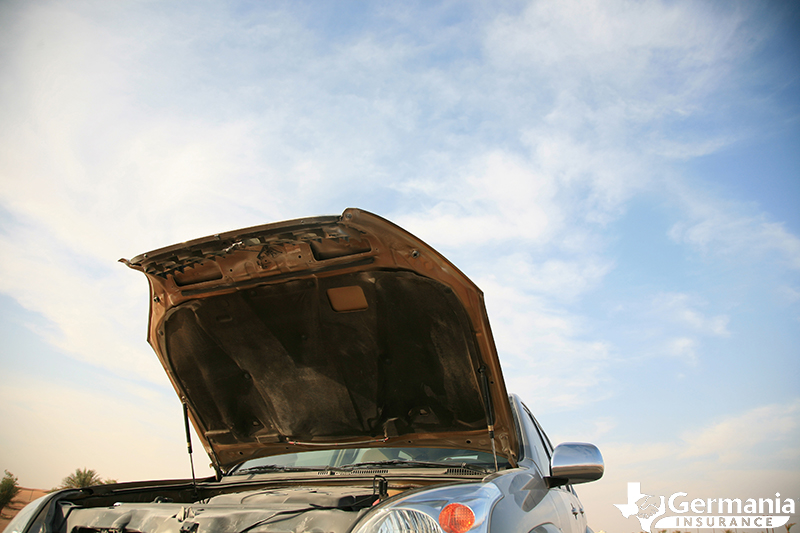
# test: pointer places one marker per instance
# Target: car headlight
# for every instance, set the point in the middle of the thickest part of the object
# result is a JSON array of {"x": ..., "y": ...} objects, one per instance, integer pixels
[
  {"x": 453, "y": 509},
  {"x": 397, "y": 520}
]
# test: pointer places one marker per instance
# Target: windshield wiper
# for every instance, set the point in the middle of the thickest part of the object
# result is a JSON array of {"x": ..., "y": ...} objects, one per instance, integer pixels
[
  {"x": 414, "y": 464},
  {"x": 265, "y": 469}
]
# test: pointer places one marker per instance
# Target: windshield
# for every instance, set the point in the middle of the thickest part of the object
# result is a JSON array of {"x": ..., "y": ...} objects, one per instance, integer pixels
[{"x": 327, "y": 459}]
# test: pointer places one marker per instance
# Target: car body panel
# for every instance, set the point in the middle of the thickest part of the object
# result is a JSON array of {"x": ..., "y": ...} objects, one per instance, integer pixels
[{"x": 324, "y": 332}]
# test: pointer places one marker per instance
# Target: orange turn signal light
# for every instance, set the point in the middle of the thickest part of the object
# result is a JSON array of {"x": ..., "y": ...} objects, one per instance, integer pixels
[{"x": 456, "y": 518}]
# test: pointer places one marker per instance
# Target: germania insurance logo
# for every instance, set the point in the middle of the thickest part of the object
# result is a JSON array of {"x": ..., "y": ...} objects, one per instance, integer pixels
[{"x": 709, "y": 513}]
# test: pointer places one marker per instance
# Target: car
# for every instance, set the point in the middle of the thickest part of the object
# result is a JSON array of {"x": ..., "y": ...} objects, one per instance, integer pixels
[{"x": 342, "y": 376}]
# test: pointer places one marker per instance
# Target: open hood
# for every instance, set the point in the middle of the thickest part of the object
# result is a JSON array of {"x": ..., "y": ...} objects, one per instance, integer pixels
[{"x": 325, "y": 332}]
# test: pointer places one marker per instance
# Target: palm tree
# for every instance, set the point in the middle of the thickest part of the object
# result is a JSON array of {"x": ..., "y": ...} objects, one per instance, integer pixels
[{"x": 85, "y": 477}]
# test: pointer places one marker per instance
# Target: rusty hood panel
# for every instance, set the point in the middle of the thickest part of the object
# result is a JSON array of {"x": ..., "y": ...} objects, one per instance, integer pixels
[{"x": 322, "y": 333}]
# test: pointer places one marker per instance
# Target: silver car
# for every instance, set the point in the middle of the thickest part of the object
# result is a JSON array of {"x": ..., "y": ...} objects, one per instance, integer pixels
[{"x": 342, "y": 376}]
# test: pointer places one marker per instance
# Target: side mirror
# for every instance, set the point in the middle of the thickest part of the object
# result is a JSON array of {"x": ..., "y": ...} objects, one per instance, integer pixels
[{"x": 575, "y": 462}]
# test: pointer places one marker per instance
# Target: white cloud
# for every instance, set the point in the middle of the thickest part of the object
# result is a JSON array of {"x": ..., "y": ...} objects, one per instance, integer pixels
[
  {"x": 99, "y": 316},
  {"x": 790, "y": 294},
  {"x": 682, "y": 309},
  {"x": 558, "y": 279},
  {"x": 754, "y": 433},
  {"x": 545, "y": 350},
  {"x": 602, "y": 426},
  {"x": 620, "y": 72},
  {"x": 714, "y": 229},
  {"x": 684, "y": 348},
  {"x": 758, "y": 438},
  {"x": 750, "y": 454},
  {"x": 678, "y": 149},
  {"x": 498, "y": 198},
  {"x": 622, "y": 45},
  {"x": 676, "y": 323}
]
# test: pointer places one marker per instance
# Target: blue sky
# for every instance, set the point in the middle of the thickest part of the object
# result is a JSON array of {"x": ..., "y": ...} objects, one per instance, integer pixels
[{"x": 620, "y": 178}]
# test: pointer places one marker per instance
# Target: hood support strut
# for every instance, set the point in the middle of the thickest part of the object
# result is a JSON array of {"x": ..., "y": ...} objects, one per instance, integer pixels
[
  {"x": 487, "y": 405},
  {"x": 189, "y": 443}
]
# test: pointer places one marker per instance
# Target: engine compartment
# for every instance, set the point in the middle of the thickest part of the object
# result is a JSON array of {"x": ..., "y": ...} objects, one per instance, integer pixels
[
  {"x": 232, "y": 506},
  {"x": 307, "y": 508}
]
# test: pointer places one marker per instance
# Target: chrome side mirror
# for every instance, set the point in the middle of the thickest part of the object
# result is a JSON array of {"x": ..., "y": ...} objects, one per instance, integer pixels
[{"x": 575, "y": 462}]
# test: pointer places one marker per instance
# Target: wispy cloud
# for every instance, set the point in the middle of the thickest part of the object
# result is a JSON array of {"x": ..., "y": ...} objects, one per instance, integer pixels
[
  {"x": 684, "y": 348},
  {"x": 749, "y": 454},
  {"x": 546, "y": 347},
  {"x": 756, "y": 438},
  {"x": 498, "y": 198},
  {"x": 738, "y": 439},
  {"x": 621, "y": 69},
  {"x": 714, "y": 230},
  {"x": 791, "y": 294},
  {"x": 99, "y": 316},
  {"x": 681, "y": 309}
]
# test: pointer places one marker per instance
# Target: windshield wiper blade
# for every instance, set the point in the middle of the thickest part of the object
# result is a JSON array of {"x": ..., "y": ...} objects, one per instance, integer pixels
[
  {"x": 414, "y": 464},
  {"x": 264, "y": 469}
]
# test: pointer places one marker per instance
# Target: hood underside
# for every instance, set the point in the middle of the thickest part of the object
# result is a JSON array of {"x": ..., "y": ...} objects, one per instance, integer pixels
[{"x": 322, "y": 333}]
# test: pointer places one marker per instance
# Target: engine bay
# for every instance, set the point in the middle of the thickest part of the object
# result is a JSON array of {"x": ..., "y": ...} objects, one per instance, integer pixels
[
  {"x": 281, "y": 509},
  {"x": 334, "y": 503}
]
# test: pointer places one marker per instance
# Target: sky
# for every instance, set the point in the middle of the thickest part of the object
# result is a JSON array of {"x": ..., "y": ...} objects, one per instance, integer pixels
[{"x": 621, "y": 179}]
